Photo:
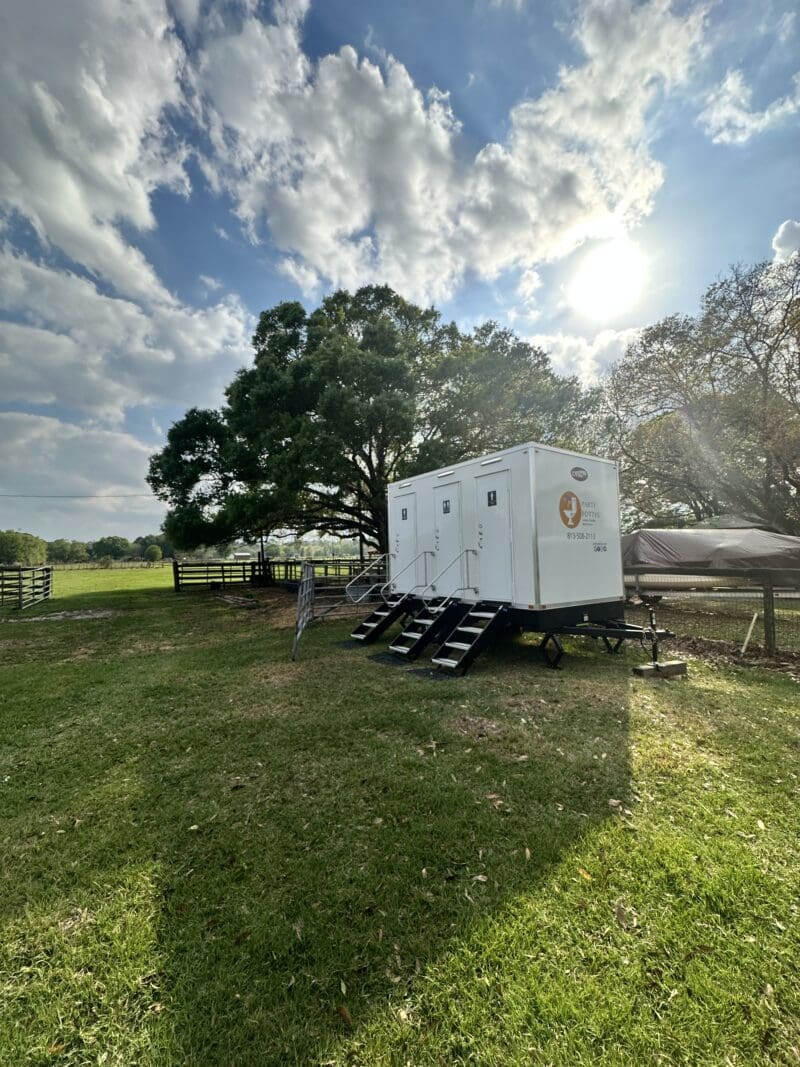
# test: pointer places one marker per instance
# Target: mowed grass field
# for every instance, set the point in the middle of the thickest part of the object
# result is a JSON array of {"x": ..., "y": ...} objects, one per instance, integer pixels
[{"x": 211, "y": 855}]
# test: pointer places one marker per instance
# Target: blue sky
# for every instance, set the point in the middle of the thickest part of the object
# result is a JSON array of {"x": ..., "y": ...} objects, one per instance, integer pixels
[{"x": 168, "y": 168}]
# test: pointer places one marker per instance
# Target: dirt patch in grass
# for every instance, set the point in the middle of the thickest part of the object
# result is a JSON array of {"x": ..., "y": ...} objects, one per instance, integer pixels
[
  {"x": 724, "y": 652},
  {"x": 58, "y": 616},
  {"x": 279, "y": 604},
  {"x": 476, "y": 728}
]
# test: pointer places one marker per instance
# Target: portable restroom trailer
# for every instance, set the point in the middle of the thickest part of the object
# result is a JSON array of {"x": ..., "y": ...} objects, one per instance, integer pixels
[
  {"x": 533, "y": 527},
  {"x": 527, "y": 538}
]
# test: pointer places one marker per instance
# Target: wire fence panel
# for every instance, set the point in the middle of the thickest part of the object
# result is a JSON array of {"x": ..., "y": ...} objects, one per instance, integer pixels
[
  {"x": 21, "y": 587},
  {"x": 759, "y": 614}
]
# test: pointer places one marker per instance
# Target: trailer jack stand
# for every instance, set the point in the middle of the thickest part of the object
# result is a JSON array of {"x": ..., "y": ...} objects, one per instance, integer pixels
[
  {"x": 656, "y": 669},
  {"x": 615, "y": 647},
  {"x": 552, "y": 658}
]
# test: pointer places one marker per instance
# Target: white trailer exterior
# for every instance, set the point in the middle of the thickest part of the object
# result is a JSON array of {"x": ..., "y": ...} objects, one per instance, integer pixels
[{"x": 533, "y": 527}]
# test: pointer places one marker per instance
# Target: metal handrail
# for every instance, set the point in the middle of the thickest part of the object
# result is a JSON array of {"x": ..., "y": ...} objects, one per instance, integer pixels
[
  {"x": 432, "y": 583},
  {"x": 376, "y": 585},
  {"x": 393, "y": 579}
]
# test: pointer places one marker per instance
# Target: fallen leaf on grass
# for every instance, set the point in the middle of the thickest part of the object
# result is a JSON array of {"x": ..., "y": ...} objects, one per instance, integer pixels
[
  {"x": 53, "y": 1050},
  {"x": 527, "y": 854},
  {"x": 584, "y": 874},
  {"x": 479, "y": 878},
  {"x": 344, "y": 1013}
]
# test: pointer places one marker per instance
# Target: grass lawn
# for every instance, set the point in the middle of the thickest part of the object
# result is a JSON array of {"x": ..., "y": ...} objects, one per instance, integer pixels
[{"x": 211, "y": 855}]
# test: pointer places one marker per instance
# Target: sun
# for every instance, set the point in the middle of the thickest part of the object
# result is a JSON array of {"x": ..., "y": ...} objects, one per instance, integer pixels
[{"x": 609, "y": 280}]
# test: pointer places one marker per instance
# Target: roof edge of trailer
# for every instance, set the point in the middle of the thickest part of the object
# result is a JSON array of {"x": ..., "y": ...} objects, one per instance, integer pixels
[{"x": 524, "y": 446}]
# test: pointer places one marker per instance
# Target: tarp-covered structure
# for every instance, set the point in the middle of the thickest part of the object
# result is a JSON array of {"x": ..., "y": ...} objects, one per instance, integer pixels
[{"x": 697, "y": 551}]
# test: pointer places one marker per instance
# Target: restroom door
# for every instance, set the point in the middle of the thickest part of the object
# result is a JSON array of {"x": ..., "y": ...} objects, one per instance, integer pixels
[
  {"x": 447, "y": 539},
  {"x": 493, "y": 518},
  {"x": 403, "y": 523}
]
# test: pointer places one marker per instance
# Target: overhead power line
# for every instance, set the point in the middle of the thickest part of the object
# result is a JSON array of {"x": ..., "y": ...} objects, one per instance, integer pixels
[{"x": 73, "y": 496}]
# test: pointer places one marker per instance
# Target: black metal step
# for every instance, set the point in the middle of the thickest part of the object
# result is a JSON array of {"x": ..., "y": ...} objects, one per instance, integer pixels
[
  {"x": 432, "y": 621},
  {"x": 456, "y": 653},
  {"x": 379, "y": 620}
]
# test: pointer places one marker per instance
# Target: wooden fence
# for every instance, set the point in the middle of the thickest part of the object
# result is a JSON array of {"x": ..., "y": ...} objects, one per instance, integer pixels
[
  {"x": 219, "y": 572},
  {"x": 20, "y": 587}
]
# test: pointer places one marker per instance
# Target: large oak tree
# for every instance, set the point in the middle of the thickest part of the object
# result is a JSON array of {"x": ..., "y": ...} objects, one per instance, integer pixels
[
  {"x": 364, "y": 390},
  {"x": 705, "y": 411}
]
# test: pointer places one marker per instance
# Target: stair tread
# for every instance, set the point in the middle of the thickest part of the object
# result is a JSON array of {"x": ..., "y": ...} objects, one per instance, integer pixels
[
  {"x": 399, "y": 648},
  {"x": 471, "y": 629},
  {"x": 457, "y": 644},
  {"x": 482, "y": 614},
  {"x": 445, "y": 662}
]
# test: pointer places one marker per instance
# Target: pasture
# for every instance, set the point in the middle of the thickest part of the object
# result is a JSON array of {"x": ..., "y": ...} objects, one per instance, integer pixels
[{"x": 212, "y": 855}]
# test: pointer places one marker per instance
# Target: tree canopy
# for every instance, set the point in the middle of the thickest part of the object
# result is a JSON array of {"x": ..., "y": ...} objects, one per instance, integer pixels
[
  {"x": 364, "y": 390},
  {"x": 19, "y": 547},
  {"x": 705, "y": 411}
]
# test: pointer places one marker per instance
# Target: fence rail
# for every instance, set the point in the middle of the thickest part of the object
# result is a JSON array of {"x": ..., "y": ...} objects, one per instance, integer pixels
[
  {"x": 757, "y": 611},
  {"x": 223, "y": 572},
  {"x": 20, "y": 587}
]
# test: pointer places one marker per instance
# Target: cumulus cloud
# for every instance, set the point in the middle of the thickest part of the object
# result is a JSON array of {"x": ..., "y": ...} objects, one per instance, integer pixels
[
  {"x": 729, "y": 116},
  {"x": 787, "y": 239},
  {"x": 67, "y": 343},
  {"x": 43, "y": 455},
  {"x": 584, "y": 357},
  {"x": 358, "y": 175},
  {"x": 85, "y": 141}
]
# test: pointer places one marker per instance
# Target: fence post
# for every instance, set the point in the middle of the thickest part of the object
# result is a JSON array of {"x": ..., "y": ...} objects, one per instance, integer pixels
[
  {"x": 770, "y": 643},
  {"x": 176, "y": 576}
]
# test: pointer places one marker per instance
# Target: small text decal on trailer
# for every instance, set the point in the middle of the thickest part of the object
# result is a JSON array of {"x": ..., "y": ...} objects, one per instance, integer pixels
[
  {"x": 491, "y": 498},
  {"x": 445, "y": 507}
]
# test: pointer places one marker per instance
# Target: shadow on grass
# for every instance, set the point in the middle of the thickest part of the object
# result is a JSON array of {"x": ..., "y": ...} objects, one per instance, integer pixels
[
  {"x": 356, "y": 834},
  {"x": 319, "y": 832}
]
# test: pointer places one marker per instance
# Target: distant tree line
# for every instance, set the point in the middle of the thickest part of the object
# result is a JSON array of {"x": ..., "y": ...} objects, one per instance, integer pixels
[{"x": 26, "y": 548}]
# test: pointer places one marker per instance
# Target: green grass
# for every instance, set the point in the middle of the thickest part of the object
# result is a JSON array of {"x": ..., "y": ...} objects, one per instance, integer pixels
[{"x": 214, "y": 856}]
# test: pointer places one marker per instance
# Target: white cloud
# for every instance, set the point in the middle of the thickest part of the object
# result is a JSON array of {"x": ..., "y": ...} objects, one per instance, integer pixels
[
  {"x": 210, "y": 283},
  {"x": 359, "y": 176},
  {"x": 729, "y": 117},
  {"x": 46, "y": 456},
  {"x": 588, "y": 359},
  {"x": 787, "y": 239},
  {"x": 84, "y": 89},
  {"x": 69, "y": 344}
]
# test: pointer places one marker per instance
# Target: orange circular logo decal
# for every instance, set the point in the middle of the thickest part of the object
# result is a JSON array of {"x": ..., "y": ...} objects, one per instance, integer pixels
[{"x": 569, "y": 508}]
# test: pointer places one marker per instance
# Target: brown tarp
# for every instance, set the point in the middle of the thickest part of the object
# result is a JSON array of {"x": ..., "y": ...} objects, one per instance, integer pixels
[{"x": 703, "y": 550}]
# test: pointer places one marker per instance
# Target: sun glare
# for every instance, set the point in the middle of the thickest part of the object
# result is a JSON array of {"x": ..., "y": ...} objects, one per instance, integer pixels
[{"x": 609, "y": 280}]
